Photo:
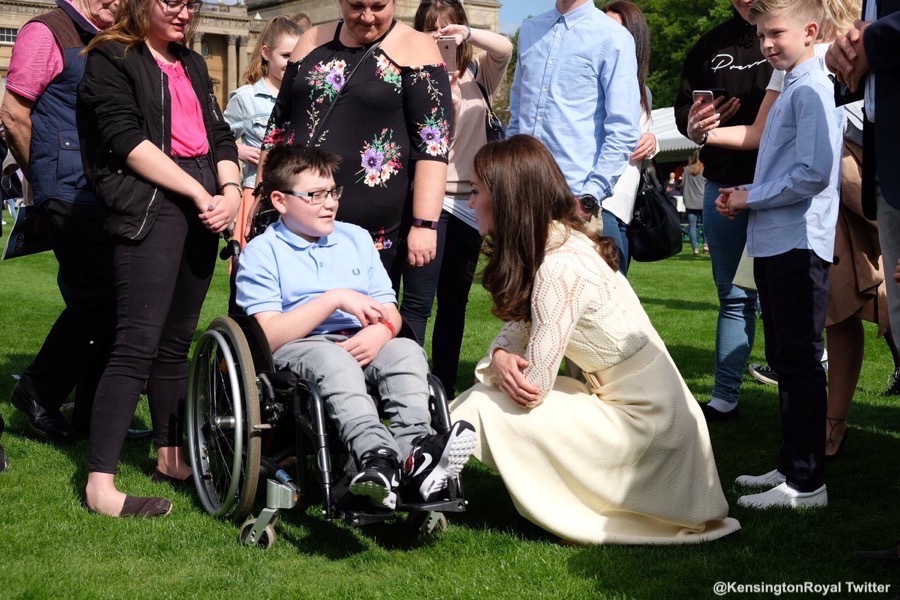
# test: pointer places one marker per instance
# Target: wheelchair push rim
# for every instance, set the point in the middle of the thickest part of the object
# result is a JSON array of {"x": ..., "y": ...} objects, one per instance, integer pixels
[{"x": 223, "y": 418}]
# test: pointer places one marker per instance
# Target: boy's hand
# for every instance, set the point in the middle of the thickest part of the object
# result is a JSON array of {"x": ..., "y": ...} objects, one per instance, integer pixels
[
  {"x": 509, "y": 369},
  {"x": 365, "y": 345},
  {"x": 365, "y": 309},
  {"x": 731, "y": 202}
]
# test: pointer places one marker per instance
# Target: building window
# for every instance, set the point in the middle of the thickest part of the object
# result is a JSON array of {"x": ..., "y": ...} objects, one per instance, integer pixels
[
  {"x": 204, "y": 50},
  {"x": 8, "y": 35}
]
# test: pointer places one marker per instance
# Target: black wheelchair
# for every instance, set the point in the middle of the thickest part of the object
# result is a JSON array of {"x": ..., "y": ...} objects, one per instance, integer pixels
[{"x": 248, "y": 422}]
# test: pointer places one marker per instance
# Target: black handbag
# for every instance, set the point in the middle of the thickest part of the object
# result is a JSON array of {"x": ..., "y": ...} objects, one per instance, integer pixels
[
  {"x": 654, "y": 232},
  {"x": 493, "y": 128}
]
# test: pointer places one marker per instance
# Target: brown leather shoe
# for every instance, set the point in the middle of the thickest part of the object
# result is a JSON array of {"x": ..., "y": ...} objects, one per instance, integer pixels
[
  {"x": 135, "y": 506},
  {"x": 160, "y": 477}
]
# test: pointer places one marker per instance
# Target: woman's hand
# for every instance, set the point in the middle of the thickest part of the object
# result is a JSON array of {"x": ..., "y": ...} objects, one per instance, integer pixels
[
  {"x": 248, "y": 154},
  {"x": 459, "y": 32},
  {"x": 646, "y": 147},
  {"x": 221, "y": 210},
  {"x": 422, "y": 245},
  {"x": 509, "y": 369},
  {"x": 703, "y": 118}
]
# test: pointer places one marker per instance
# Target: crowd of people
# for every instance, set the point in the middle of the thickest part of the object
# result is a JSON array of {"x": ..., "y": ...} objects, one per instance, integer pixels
[{"x": 373, "y": 161}]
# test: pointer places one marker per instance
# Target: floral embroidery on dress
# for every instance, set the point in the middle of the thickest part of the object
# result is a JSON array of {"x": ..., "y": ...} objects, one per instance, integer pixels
[
  {"x": 380, "y": 159},
  {"x": 388, "y": 72},
  {"x": 382, "y": 242},
  {"x": 327, "y": 79},
  {"x": 275, "y": 135},
  {"x": 423, "y": 75},
  {"x": 435, "y": 133}
]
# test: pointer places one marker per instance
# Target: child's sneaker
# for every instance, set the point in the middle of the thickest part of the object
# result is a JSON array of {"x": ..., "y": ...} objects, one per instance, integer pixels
[
  {"x": 435, "y": 459},
  {"x": 378, "y": 478}
]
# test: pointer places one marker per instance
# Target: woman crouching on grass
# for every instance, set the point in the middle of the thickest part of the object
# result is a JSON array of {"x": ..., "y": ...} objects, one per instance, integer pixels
[
  {"x": 620, "y": 457},
  {"x": 163, "y": 162}
]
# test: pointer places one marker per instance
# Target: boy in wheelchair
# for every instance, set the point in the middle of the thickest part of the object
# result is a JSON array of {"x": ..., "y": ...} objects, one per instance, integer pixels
[{"x": 318, "y": 290}]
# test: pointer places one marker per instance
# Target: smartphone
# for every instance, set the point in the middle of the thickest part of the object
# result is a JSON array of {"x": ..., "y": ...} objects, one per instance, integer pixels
[
  {"x": 447, "y": 46},
  {"x": 708, "y": 96}
]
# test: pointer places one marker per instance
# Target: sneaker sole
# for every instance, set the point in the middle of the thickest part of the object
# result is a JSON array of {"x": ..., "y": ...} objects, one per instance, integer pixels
[
  {"x": 456, "y": 454},
  {"x": 761, "y": 378},
  {"x": 377, "y": 493}
]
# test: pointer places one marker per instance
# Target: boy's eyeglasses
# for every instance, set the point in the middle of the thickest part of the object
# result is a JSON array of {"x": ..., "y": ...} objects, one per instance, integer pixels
[
  {"x": 317, "y": 197},
  {"x": 174, "y": 6}
]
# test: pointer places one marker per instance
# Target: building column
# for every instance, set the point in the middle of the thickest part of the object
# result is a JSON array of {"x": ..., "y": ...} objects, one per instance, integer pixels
[
  {"x": 231, "y": 65},
  {"x": 243, "y": 57},
  {"x": 197, "y": 42}
]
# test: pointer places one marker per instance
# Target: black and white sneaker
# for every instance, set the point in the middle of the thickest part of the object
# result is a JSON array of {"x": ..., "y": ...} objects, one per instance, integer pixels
[
  {"x": 435, "y": 459},
  {"x": 378, "y": 478},
  {"x": 763, "y": 373},
  {"x": 893, "y": 388}
]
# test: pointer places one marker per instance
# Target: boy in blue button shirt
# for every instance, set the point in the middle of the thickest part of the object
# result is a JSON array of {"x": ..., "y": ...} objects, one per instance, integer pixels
[
  {"x": 793, "y": 204},
  {"x": 319, "y": 291}
]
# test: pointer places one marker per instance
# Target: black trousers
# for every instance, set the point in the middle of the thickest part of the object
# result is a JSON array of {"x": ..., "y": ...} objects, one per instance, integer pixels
[
  {"x": 75, "y": 350},
  {"x": 161, "y": 282},
  {"x": 449, "y": 277},
  {"x": 793, "y": 292}
]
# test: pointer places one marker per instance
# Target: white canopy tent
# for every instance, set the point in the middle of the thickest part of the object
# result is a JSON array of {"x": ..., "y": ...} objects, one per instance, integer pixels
[{"x": 673, "y": 147}]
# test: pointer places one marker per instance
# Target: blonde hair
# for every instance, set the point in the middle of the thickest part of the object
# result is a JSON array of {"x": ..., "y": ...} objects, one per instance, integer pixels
[
  {"x": 269, "y": 36},
  {"x": 799, "y": 10},
  {"x": 839, "y": 17},
  {"x": 133, "y": 25}
]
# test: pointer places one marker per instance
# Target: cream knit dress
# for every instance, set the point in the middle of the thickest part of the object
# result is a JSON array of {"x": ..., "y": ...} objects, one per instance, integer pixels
[{"x": 623, "y": 459}]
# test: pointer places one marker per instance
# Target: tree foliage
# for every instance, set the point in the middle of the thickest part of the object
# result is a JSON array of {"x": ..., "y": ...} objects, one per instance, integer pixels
[{"x": 675, "y": 26}]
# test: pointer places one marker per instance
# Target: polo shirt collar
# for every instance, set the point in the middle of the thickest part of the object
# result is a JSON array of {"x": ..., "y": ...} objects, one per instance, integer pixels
[{"x": 299, "y": 242}]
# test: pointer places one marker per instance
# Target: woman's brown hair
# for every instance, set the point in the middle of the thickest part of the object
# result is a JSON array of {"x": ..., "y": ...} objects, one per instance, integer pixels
[
  {"x": 431, "y": 13},
  {"x": 528, "y": 193},
  {"x": 133, "y": 24},
  {"x": 695, "y": 164}
]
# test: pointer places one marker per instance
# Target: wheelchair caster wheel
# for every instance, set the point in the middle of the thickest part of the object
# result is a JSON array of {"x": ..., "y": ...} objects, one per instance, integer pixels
[{"x": 265, "y": 541}]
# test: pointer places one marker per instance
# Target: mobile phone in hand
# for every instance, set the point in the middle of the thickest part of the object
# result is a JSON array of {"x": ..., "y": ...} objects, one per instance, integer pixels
[
  {"x": 704, "y": 96},
  {"x": 447, "y": 46}
]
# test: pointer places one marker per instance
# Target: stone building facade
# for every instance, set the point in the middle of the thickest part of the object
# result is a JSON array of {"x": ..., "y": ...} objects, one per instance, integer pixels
[{"x": 227, "y": 33}]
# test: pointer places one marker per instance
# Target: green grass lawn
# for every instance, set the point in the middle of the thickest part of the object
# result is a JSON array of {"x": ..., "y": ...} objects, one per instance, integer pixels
[{"x": 51, "y": 547}]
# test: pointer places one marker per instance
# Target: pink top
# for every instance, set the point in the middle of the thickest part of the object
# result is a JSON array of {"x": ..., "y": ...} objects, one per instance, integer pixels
[
  {"x": 36, "y": 60},
  {"x": 188, "y": 130}
]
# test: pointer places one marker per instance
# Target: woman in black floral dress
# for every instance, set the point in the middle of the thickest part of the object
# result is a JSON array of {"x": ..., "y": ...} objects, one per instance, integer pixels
[{"x": 390, "y": 121}]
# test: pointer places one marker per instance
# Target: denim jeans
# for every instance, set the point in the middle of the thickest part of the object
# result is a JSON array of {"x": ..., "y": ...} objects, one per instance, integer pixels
[
  {"x": 614, "y": 228},
  {"x": 692, "y": 217},
  {"x": 400, "y": 373},
  {"x": 736, "y": 325}
]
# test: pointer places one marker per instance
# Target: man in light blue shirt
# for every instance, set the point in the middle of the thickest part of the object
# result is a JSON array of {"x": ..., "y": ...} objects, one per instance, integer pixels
[{"x": 576, "y": 90}]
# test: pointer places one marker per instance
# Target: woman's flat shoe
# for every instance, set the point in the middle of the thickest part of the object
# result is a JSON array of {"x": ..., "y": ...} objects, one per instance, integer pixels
[
  {"x": 160, "y": 477},
  {"x": 136, "y": 506}
]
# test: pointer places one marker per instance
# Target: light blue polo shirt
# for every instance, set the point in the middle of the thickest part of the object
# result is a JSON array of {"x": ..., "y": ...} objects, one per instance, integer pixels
[{"x": 280, "y": 270}]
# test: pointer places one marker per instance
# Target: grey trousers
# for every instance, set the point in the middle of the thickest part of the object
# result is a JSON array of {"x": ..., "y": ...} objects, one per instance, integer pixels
[{"x": 399, "y": 372}]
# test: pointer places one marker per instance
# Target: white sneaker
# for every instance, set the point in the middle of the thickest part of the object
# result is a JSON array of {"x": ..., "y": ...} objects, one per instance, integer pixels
[
  {"x": 770, "y": 479},
  {"x": 787, "y": 497}
]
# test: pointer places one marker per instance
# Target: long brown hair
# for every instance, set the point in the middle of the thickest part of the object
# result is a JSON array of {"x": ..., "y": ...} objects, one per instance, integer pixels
[
  {"x": 431, "y": 13},
  {"x": 528, "y": 193},
  {"x": 633, "y": 20},
  {"x": 133, "y": 24},
  {"x": 270, "y": 36}
]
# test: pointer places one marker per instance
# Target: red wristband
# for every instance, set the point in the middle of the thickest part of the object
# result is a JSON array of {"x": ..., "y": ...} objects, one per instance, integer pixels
[{"x": 390, "y": 328}]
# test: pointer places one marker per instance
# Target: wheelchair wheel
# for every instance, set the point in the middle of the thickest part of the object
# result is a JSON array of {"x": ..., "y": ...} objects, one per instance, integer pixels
[
  {"x": 266, "y": 539},
  {"x": 222, "y": 421}
]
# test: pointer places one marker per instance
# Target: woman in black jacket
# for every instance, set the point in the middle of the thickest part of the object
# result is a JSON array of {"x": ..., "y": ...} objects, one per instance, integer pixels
[{"x": 163, "y": 164}]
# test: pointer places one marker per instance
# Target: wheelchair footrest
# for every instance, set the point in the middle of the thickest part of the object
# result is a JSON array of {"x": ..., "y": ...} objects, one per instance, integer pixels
[{"x": 444, "y": 506}]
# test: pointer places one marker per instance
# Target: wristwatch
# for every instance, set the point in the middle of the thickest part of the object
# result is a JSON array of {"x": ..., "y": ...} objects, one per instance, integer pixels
[
  {"x": 425, "y": 223},
  {"x": 589, "y": 204}
]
